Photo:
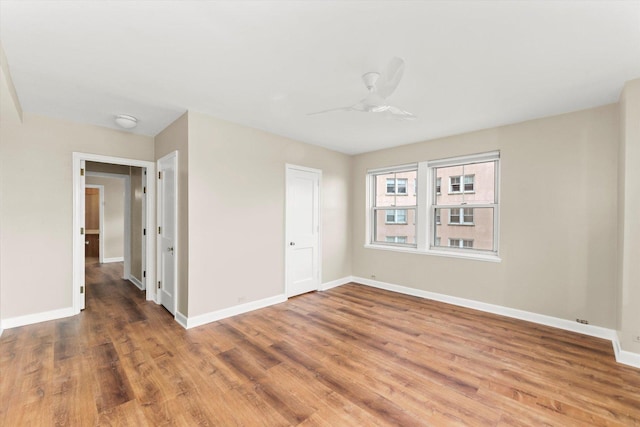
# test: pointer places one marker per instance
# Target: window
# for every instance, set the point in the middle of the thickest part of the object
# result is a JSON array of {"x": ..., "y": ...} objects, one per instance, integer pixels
[
  {"x": 455, "y": 184},
  {"x": 396, "y": 185},
  {"x": 393, "y": 210},
  {"x": 462, "y": 216},
  {"x": 396, "y": 216},
  {"x": 460, "y": 243},
  {"x": 396, "y": 239},
  {"x": 460, "y": 222}
]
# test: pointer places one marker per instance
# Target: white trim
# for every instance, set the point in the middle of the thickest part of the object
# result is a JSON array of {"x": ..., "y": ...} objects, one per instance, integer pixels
[
  {"x": 290, "y": 167},
  {"x": 388, "y": 169},
  {"x": 136, "y": 282},
  {"x": 78, "y": 160},
  {"x": 467, "y": 159},
  {"x": 181, "y": 319},
  {"x": 30, "y": 319},
  {"x": 621, "y": 356},
  {"x": 335, "y": 283},
  {"x": 203, "y": 319},
  {"x": 113, "y": 259}
]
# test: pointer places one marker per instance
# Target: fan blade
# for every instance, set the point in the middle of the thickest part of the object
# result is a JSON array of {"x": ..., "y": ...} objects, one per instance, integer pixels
[
  {"x": 388, "y": 82},
  {"x": 401, "y": 114},
  {"x": 331, "y": 110}
]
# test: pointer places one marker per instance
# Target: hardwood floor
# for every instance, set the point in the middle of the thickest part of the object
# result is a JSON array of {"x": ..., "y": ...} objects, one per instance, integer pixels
[{"x": 351, "y": 356}]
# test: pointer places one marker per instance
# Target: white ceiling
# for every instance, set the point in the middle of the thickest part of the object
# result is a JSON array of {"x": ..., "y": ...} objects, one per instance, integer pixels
[{"x": 266, "y": 64}]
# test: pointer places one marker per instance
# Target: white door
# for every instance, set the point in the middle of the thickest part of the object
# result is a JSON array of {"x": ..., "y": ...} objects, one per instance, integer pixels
[
  {"x": 302, "y": 230},
  {"x": 167, "y": 230}
]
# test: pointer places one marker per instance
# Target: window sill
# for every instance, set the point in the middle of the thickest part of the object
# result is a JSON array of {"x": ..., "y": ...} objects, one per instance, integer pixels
[{"x": 435, "y": 252}]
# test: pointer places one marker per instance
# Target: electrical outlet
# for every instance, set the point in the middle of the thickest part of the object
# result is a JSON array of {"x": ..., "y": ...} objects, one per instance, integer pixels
[
  {"x": 636, "y": 338},
  {"x": 583, "y": 321},
  {"x": 373, "y": 276}
]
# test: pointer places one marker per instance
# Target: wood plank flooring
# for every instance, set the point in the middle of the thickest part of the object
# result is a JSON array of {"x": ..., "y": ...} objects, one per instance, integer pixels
[{"x": 350, "y": 356}]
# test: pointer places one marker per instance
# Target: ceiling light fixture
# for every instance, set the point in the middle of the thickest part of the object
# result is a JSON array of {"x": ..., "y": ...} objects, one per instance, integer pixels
[{"x": 125, "y": 121}]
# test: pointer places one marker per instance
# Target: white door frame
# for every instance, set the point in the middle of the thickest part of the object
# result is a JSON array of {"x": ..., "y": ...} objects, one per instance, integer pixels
[
  {"x": 288, "y": 168},
  {"x": 176, "y": 245},
  {"x": 100, "y": 220},
  {"x": 78, "y": 221},
  {"x": 126, "y": 254}
]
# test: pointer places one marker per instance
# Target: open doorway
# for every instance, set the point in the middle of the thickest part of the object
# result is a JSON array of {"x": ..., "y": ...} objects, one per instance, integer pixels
[{"x": 136, "y": 245}]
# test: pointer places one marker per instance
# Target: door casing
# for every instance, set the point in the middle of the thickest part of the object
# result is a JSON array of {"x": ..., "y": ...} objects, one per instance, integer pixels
[{"x": 78, "y": 160}]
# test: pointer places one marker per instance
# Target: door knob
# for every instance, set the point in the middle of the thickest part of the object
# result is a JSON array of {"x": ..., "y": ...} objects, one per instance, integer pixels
[
  {"x": 170, "y": 249},
  {"x": 292, "y": 243}
]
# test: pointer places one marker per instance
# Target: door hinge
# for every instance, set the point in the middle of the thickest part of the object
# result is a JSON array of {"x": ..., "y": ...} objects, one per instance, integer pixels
[
  {"x": 82, "y": 289},
  {"x": 144, "y": 273},
  {"x": 81, "y": 171},
  {"x": 159, "y": 175},
  {"x": 145, "y": 171},
  {"x": 144, "y": 231},
  {"x": 158, "y": 284},
  {"x": 81, "y": 230},
  {"x": 159, "y": 230},
  {"x": 144, "y": 190}
]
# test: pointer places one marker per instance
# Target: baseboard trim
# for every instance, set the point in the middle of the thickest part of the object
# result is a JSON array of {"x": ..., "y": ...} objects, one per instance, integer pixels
[
  {"x": 136, "y": 282},
  {"x": 181, "y": 319},
  {"x": 624, "y": 357},
  {"x": 115, "y": 259},
  {"x": 203, "y": 319},
  {"x": 30, "y": 319},
  {"x": 335, "y": 283}
]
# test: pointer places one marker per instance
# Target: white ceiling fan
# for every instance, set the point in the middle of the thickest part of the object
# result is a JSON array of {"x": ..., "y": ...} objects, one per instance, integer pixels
[{"x": 380, "y": 87}]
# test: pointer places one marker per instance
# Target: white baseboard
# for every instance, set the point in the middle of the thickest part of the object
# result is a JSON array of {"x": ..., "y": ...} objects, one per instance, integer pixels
[
  {"x": 624, "y": 357},
  {"x": 136, "y": 282},
  {"x": 202, "y": 319},
  {"x": 181, "y": 319},
  {"x": 334, "y": 283},
  {"x": 29, "y": 319},
  {"x": 115, "y": 259}
]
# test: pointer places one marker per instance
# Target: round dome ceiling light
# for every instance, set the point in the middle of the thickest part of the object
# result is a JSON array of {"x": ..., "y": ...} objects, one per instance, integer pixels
[{"x": 125, "y": 121}]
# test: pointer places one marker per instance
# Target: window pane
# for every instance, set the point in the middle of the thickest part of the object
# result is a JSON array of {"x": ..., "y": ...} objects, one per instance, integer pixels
[
  {"x": 402, "y": 185},
  {"x": 391, "y": 185},
  {"x": 477, "y": 180},
  {"x": 468, "y": 182},
  {"x": 402, "y": 227},
  {"x": 391, "y": 189},
  {"x": 480, "y": 233}
]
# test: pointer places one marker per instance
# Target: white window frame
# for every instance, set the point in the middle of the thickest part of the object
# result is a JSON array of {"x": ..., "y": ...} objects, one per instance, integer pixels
[
  {"x": 396, "y": 239},
  {"x": 372, "y": 209},
  {"x": 425, "y": 209}
]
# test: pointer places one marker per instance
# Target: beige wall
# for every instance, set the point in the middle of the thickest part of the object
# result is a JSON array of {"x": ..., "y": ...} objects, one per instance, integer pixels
[
  {"x": 136, "y": 196},
  {"x": 113, "y": 221},
  {"x": 558, "y": 228},
  {"x": 236, "y": 212},
  {"x": 628, "y": 284},
  {"x": 36, "y": 215},
  {"x": 176, "y": 137}
]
